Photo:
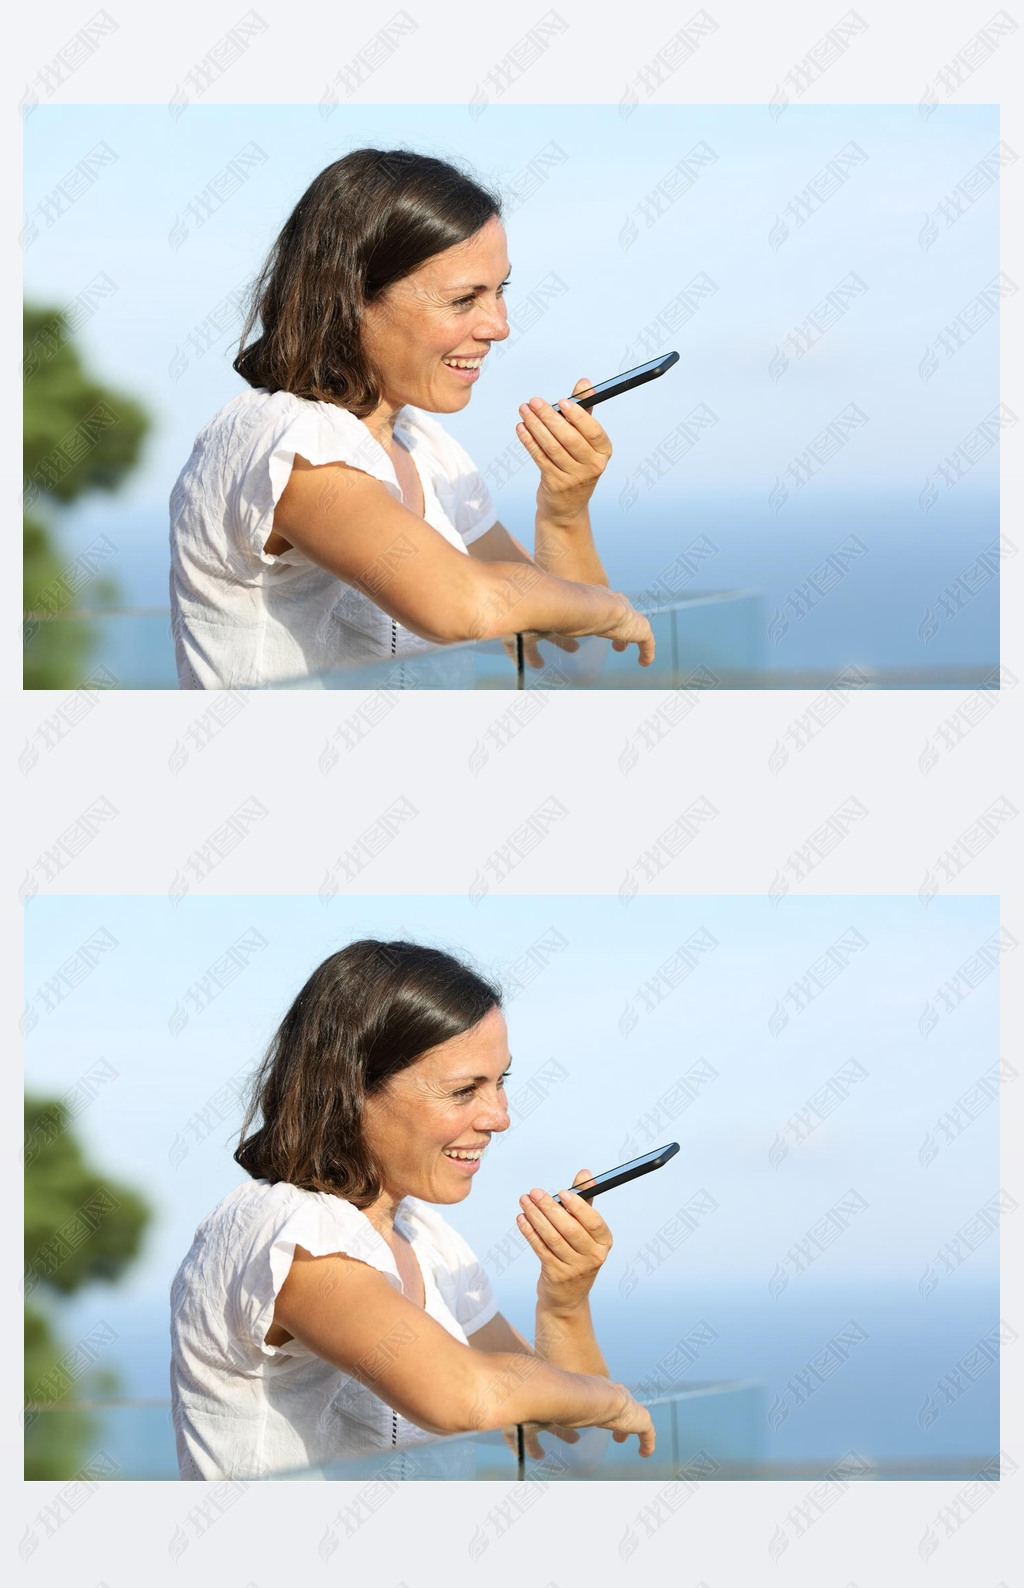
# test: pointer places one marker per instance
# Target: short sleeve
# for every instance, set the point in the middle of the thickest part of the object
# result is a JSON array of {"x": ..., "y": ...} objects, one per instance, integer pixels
[
  {"x": 320, "y": 432},
  {"x": 321, "y": 1231},
  {"x": 461, "y": 488}
]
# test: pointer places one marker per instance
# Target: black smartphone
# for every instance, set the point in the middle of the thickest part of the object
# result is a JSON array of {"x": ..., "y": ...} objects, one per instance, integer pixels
[
  {"x": 588, "y": 1189},
  {"x": 626, "y": 382}
]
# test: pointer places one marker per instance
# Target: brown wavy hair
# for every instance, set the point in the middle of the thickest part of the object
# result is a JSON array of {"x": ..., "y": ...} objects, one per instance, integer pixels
[
  {"x": 367, "y": 1012},
  {"x": 361, "y": 225}
]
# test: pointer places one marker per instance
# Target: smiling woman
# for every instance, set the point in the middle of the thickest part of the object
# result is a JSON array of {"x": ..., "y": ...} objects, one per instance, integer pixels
[
  {"x": 326, "y": 1308},
  {"x": 324, "y": 517}
]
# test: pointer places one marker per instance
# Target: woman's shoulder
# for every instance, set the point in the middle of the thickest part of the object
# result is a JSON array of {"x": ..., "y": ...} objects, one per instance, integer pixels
[
  {"x": 255, "y": 413},
  {"x": 260, "y": 1206},
  {"x": 251, "y": 1203}
]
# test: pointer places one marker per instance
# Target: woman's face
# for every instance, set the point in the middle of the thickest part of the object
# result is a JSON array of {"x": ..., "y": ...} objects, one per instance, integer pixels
[
  {"x": 450, "y": 307},
  {"x": 452, "y": 1097}
]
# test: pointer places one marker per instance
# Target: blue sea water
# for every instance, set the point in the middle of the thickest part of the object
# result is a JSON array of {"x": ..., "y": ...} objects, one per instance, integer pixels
[
  {"x": 908, "y": 1382},
  {"x": 868, "y": 579}
]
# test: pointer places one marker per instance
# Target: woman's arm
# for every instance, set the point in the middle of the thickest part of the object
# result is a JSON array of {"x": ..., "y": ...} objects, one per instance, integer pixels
[
  {"x": 350, "y": 524},
  {"x": 350, "y": 1314},
  {"x": 565, "y": 549},
  {"x": 565, "y": 1341}
]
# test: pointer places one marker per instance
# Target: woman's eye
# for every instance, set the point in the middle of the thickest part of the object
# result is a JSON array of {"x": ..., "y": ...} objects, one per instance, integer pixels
[
  {"x": 468, "y": 1091},
  {"x": 464, "y": 303}
]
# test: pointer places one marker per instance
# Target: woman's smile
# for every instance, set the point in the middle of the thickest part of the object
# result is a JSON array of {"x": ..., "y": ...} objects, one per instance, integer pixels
[
  {"x": 464, "y": 369},
  {"x": 464, "y": 1165}
]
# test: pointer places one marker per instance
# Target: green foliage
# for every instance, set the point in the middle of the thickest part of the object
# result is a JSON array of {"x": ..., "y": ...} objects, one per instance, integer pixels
[
  {"x": 80, "y": 1226},
  {"x": 55, "y": 1441},
  {"x": 79, "y": 436}
]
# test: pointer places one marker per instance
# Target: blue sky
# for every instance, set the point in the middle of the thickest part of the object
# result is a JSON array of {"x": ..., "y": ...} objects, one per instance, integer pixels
[
  {"x": 594, "y": 1058},
  {"x": 570, "y": 230}
]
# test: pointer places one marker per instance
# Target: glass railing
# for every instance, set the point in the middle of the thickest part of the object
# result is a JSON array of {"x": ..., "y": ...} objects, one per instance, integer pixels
[
  {"x": 697, "y": 643},
  {"x": 715, "y": 640},
  {"x": 704, "y": 1431}
]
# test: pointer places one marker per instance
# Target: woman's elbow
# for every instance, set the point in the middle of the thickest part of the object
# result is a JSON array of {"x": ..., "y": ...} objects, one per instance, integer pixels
[
  {"x": 468, "y": 1405},
  {"x": 449, "y": 1399},
  {"x": 448, "y": 624}
]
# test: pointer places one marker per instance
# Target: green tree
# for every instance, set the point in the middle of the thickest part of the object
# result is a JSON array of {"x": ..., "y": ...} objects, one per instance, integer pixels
[
  {"x": 79, "y": 436},
  {"x": 80, "y": 1226}
]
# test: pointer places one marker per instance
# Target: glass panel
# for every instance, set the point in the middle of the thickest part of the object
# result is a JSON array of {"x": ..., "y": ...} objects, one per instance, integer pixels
[
  {"x": 464, "y": 1456},
  {"x": 482, "y": 665},
  {"x": 715, "y": 640},
  {"x": 704, "y": 1432},
  {"x": 707, "y": 1431},
  {"x": 702, "y": 643}
]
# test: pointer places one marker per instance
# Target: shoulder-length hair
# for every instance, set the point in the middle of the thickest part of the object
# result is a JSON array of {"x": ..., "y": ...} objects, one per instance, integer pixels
[
  {"x": 367, "y": 1012},
  {"x": 365, "y": 222}
]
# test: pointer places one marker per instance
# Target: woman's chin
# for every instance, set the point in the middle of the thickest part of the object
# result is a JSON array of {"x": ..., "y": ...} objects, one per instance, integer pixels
[{"x": 447, "y": 402}]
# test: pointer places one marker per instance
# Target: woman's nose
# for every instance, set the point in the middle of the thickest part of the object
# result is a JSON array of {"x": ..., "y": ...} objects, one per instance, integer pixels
[
  {"x": 495, "y": 1117},
  {"x": 494, "y": 325}
]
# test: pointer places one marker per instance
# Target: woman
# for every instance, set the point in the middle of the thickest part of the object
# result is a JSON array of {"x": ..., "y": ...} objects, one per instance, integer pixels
[
  {"x": 326, "y": 1308},
  {"x": 324, "y": 518}
]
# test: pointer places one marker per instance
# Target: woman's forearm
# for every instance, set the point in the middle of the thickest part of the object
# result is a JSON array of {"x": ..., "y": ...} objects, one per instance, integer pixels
[
  {"x": 509, "y": 597},
  {"x": 567, "y": 1340},
  {"x": 514, "y": 1387},
  {"x": 566, "y": 548}
]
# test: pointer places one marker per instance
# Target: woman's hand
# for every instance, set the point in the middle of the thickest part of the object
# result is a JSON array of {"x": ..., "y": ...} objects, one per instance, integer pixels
[
  {"x": 532, "y": 1445},
  {"x": 630, "y": 1418},
  {"x": 571, "y": 1240},
  {"x": 627, "y": 627},
  {"x": 570, "y": 449},
  {"x": 531, "y": 655}
]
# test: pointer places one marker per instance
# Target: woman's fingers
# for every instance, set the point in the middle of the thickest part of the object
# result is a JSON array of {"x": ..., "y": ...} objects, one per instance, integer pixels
[
  {"x": 531, "y": 1444},
  {"x": 556, "y": 435},
  {"x": 544, "y": 455},
  {"x": 531, "y": 653},
  {"x": 570, "y": 436},
  {"x": 561, "y": 1231}
]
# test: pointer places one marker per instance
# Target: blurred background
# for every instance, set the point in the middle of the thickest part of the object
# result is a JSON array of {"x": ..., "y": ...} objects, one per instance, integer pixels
[
  {"x": 826, "y": 1239},
  {"x": 827, "y": 444}
]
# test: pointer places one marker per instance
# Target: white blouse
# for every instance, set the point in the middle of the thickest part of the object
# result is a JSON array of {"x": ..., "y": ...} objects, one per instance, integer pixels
[
  {"x": 246, "y": 1409},
  {"x": 242, "y": 618}
]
